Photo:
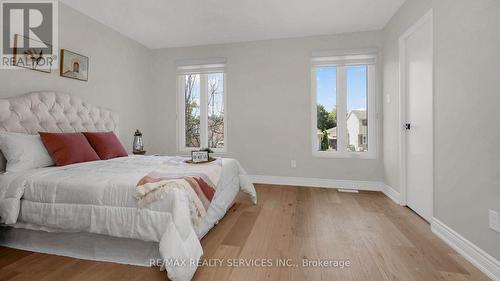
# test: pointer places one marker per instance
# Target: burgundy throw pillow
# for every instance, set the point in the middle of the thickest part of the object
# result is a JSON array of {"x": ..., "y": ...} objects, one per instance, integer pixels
[
  {"x": 68, "y": 148},
  {"x": 106, "y": 145}
]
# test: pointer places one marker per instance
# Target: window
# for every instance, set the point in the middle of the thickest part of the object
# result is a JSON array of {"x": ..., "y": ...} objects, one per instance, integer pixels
[
  {"x": 201, "y": 106},
  {"x": 343, "y": 105}
]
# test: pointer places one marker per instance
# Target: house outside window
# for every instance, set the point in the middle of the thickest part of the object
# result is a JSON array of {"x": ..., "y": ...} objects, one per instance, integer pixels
[{"x": 364, "y": 139}]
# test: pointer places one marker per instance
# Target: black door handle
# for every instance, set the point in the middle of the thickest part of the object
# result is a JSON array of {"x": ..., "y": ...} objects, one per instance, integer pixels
[{"x": 408, "y": 126}]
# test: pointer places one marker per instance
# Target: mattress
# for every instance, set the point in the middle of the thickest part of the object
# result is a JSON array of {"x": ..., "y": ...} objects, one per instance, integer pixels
[{"x": 97, "y": 197}]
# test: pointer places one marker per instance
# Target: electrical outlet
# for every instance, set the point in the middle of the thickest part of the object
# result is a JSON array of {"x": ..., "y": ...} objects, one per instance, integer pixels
[
  {"x": 293, "y": 164},
  {"x": 494, "y": 218}
]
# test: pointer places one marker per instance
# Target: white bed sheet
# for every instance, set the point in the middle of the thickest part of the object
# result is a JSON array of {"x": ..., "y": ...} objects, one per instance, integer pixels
[{"x": 97, "y": 197}]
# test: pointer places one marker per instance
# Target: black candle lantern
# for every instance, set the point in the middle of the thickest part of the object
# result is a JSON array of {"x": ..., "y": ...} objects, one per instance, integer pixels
[{"x": 138, "y": 147}]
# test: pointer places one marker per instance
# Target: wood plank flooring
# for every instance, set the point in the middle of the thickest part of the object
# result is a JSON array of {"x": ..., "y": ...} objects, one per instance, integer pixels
[{"x": 382, "y": 241}]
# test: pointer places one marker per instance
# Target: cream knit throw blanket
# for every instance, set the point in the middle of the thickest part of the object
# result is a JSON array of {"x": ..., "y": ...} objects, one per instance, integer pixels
[{"x": 198, "y": 187}]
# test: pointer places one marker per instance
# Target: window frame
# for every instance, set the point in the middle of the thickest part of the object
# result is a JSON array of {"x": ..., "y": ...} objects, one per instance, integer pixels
[
  {"x": 341, "y": 60},
  {"x": 181, "y": 117}
]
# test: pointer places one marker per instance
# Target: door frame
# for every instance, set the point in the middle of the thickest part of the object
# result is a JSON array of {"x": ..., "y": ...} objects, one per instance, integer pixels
[{"x": 403, "y": 93}]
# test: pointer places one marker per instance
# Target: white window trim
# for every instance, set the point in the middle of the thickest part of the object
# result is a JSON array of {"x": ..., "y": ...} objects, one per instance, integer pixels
[
  {"x": 181, "y": 125},
  {"x": 319, "y": 61}
]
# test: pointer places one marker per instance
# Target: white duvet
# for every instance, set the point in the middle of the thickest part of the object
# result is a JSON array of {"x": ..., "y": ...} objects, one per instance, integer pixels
[{"x": 97, "y": 197}]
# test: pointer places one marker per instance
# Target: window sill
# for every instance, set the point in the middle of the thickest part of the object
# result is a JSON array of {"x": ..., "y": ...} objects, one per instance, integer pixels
[{"x": 346, "y": 155}]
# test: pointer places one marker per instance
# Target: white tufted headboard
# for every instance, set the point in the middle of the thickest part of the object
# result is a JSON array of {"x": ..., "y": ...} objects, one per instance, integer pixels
[{"x": 53, "y": 112}]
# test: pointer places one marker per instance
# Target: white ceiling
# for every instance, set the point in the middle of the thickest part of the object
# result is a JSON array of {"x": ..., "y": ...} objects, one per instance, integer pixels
[{"x": 176, "y": 23}]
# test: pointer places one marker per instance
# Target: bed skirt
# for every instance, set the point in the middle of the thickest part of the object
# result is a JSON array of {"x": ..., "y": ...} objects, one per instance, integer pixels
[{"x": 81, "y": 245}]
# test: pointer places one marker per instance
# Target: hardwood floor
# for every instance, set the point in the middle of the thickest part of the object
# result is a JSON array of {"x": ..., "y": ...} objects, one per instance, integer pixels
[{"x": 382, "y": 241}]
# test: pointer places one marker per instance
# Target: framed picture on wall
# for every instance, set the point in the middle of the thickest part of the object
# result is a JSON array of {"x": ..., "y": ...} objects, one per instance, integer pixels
[
  {"x": 32, "y": 54},
  {"x": 74, "y": 65}
]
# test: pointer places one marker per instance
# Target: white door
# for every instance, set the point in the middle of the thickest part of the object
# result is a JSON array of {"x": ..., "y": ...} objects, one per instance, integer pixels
[{"x": 418, "y": 65}]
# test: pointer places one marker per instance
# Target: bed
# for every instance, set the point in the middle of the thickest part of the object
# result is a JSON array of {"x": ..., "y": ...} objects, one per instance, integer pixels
[{"x": 88, "y": 210}]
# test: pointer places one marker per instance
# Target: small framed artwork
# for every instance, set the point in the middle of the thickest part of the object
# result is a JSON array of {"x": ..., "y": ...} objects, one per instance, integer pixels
[
  {"x": 199, "y": 156},
  {"x": 74, "y": 65},
  {"x": 38, "y": 56}
]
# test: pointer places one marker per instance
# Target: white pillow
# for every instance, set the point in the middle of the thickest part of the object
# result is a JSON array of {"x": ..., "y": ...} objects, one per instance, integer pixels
[{"x": 24, "y": 152}]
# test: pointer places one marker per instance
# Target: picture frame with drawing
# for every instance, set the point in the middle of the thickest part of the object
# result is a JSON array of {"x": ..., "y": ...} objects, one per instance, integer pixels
[{"x": 74, "y": 65}]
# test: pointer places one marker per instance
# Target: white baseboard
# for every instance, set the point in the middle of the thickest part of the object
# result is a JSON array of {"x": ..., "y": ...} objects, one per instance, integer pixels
[
  {"x": 330, "y": 183},
  {"x": 479, "y": 258},
  {"x": 316, "y": 182},
  {"x": 392, "y": 194}
]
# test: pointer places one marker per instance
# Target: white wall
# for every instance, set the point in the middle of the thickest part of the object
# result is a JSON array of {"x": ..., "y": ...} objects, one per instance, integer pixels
[
  {"x": 268, "y": 96},
  {"x": 466, "y": 101},
  {"x": 118, "y": 72}
]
